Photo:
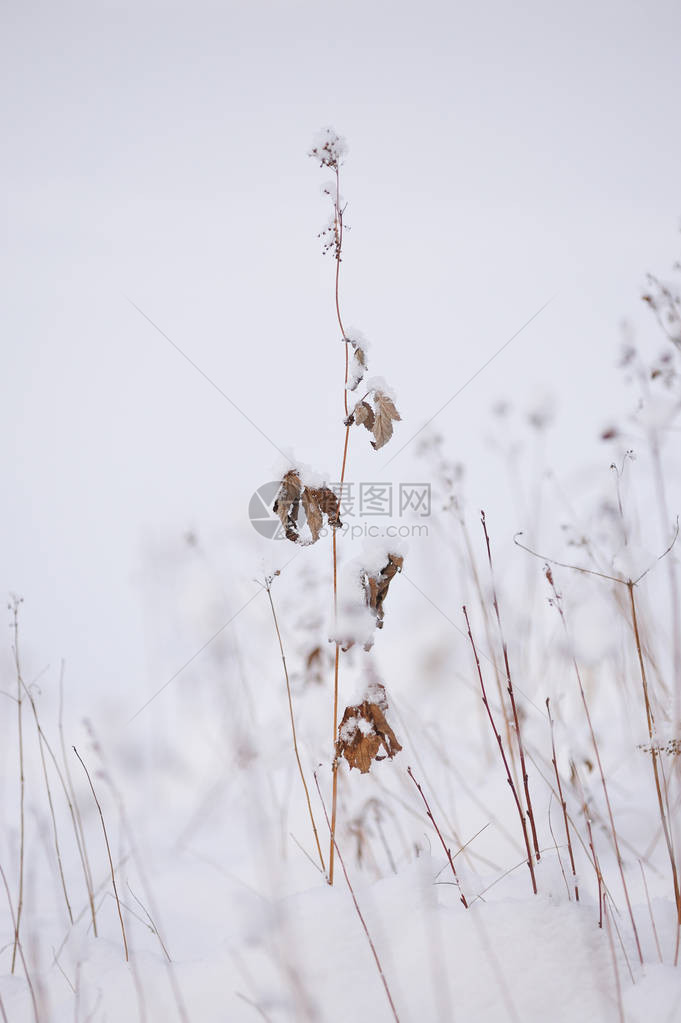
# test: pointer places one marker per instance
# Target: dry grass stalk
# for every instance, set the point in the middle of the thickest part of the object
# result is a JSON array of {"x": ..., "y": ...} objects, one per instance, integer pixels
[
  {"x": 509, "y": 776},
  {"x": 268, "y": 587},
  {"x": 557, "y": 603},
  {"x": 42, "y": 744},
  {"x": 511, "y": 694},
  {"x": 20, "y": 948},
  {"x": 76, "y": 819},
  {"x": 14, "y": 606},
  {"x": 650, "y": 721},
  {"x": 563, "y": 804},
  {"x": 444, "y": 845},
  {"x": 108, "y": 851},
  {"x": 359, "y": 912}
]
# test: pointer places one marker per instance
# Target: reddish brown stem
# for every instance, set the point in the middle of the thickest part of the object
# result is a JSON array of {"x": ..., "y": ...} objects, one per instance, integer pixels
[
  {"x": 558, "y": 605},
  {"x": 500, "y": 744},
  {"x": 563, "y": 804},
  {"x": 359, "y": 912},
  {"x": 439, "y": 835},
  {"x": 338, "y": 227},
  {"x": 511, "y": 694}
]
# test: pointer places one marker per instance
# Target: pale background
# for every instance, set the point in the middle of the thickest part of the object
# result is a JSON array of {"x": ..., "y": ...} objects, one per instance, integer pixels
[{"x": 500, "y": 156}]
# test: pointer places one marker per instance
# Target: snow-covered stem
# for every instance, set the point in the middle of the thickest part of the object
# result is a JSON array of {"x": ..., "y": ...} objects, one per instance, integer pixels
[
  {"x": 444, "y": 845},
  {"x": 358, "y": 910},
  {"x": 268, "y": 587},
  {"x": 511, "y": 694},
  {"x": 497, "y": 736},
  {"x": 563, "y": 804},
  {"x": 108, "y": 850}
]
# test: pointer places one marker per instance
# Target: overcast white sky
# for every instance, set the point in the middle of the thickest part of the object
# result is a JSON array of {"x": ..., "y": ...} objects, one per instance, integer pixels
[{"x": 501, "y": 155}]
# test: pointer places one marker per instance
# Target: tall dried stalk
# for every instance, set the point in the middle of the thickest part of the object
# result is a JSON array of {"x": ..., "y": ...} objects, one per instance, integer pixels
[
  {"x": 563, "y": 804},
  {"x": 14, "y": 608},
  {"x": 511, "y": 694},
  {"x": 509, "y": 776},
  {"x": 74, "y": 809},
  {"x": 558, "y": 605},
  {"x": 42, "y": 743},
  {"x": 359, "y": 914},
  {"x": 19, "y": 946},
  {"x": 108, "y": 850},
  {"x": 268, "y": 587},
  {"x": 338, "y": 247},
  {"x": 444, "y": 845},
  {"x": 654, "y": 754}
]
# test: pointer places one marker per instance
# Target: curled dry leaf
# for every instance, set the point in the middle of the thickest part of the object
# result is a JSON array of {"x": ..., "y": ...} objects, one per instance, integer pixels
[
  {"x": 358, "y": 366},
  {"x": 383, "y": 424},
  {"x": 376, "y": 586},
  {"x": 364, "y": 733},
  {"x": 363, "y": 415},
  {"x": 316, "y": 503}
]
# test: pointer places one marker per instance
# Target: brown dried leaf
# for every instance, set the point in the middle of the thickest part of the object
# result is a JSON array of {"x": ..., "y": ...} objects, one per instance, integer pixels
[
  {"x": 358, "y": 366},
  {"x": 376, "y": 587},
  {"x": 287, "y": 504},
  {"x": 313, "y": 513},
  {"x": 362, "y": 733},
  {"x": 383, "y": 424},
  {"x": 316, "y": 502},
  {"x": 363, "y": 415}
]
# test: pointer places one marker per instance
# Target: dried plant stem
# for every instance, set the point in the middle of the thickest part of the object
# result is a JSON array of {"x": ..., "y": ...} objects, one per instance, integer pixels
[
  {"x": 42, "y": 742},
  {"x": 509, "y": 776},
  {"x": 268, "y": 587},
  {"x": 511, "y": 694},
  {"x": 338, "y": 229},
  {"x": 67, "y": 785},
  {"x": 14, "y": 608},
  {"x": 650, "y": 910},
  {"x": 563, "y": 804},
  {"x": 439, "y": 835},
  {"x": 359, "y": 912},
  {"x": 618, "y": 986},
  {"x": 594, "y": 857},
  {"x": 18, "y": 946},
  {"x": 559, "y": 607},
  {"x": 490, "y": 646},
  {"x": 650, "y": 721},
  {"x": 108, "y": 850}
]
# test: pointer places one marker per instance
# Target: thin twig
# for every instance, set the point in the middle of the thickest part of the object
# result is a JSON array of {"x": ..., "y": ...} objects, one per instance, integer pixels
[
  {"x": 14, "y": 608},
  {"x": 439, "y": 835},
  {"x": 500, "y": 744},
  {"x": 19, "y": 946},
  {"x": 509, "y": 683},
  {"x": 108, "y": 850},
  {"x": 563, "y": 804},
  {"x": 268, "y": 587},
  {"x": 358, "y": 910}
]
